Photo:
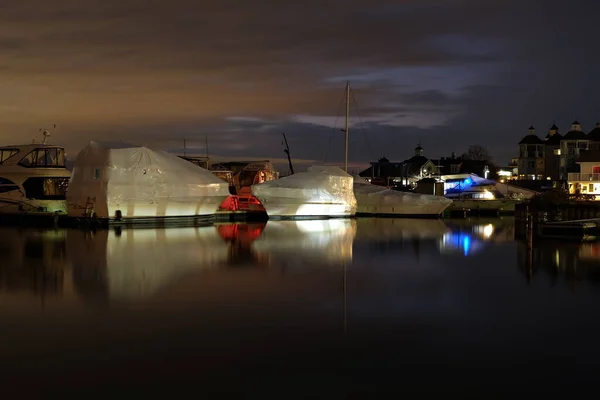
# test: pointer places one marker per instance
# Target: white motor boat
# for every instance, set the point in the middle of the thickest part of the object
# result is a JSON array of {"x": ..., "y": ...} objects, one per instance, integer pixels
[
  {"x": 377, "y": 200},
  {"x": 33, "y": 179},
  {"x": 320, "y": 192}
]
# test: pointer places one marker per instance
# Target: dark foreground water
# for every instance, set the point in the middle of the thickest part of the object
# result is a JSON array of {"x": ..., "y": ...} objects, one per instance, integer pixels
[{"x": 311, "y": 309}]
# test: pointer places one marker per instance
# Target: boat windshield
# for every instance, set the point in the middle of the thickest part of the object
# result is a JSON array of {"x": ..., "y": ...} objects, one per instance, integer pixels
[
  {"x": 47, "y": 157},
  {"x": 5, "y": 154}
]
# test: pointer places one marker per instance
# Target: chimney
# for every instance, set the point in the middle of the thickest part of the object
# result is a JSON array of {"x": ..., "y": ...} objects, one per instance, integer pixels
[
  {"x": 453, "y": 155},
  {"x": 531, "y": 130}
]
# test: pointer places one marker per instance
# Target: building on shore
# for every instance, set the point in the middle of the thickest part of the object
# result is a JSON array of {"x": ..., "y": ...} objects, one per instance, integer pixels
[
  {"x": 554, "y": 157},
  {"x": 405, "y": 173},
  {"x": 408, "y": 172},
  {"x": 509, "y": 172},
  {"x": 587, "y": 180},
  {"x": 539, "y": 158},
  {"x": 571, "y": 145}
]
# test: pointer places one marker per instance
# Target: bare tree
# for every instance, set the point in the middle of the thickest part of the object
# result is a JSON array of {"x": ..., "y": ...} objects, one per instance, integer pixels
[{"x": 477, "y": 152}]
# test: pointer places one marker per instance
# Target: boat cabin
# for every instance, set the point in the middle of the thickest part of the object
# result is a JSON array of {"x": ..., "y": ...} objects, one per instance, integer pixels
[{"x": 34, "y": 181}]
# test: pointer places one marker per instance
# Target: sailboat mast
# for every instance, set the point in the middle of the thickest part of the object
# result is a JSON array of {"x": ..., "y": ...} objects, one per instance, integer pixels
[
  {"x": 287, "y": 151},
  {"x": 346, "y": 125}
]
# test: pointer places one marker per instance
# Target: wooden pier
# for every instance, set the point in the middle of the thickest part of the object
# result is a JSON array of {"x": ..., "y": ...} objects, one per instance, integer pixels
[{"x": 558, "y": 219}]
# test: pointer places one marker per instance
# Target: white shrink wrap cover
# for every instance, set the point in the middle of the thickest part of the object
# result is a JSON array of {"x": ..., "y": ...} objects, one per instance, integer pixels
[
  {"x": 379, "y": 200},
  {"x": 320, "y": 192},
  {"x": 141, "y": 183}
]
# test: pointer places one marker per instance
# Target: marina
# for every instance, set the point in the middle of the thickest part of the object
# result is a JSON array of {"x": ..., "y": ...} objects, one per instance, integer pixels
[
  {"x": 125, "y": 186},
  {"x": 375, "y": 199}
]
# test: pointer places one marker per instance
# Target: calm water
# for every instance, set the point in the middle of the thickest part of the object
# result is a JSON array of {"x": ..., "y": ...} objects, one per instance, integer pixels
[{"x": 310, "y": 308}]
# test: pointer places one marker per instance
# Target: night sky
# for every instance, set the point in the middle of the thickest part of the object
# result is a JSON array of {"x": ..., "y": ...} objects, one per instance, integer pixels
[{"x": 445, "y": 73}]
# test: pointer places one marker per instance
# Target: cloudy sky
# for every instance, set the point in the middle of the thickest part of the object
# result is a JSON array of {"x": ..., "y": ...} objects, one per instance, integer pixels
[{"x": 447, "y": 73}]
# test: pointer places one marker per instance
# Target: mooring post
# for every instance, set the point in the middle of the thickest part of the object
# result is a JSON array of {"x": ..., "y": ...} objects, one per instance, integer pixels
[{"x": 529, "y": 228}]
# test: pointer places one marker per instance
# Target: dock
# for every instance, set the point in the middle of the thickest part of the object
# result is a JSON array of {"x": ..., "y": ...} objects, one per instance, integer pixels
[
  {"x": 577, "y": 220},
  {"x": 477, "y": 212},
  {"x": 37, "y": 220},
  {"x": 577, "y": 229}
]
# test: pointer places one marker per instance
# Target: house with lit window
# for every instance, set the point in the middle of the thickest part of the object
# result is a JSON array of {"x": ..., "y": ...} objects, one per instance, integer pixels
[
  {"x": 531, "y": 156},
  {"x": 408, "y": 172},
  {"x": 552, "y": 154},
  {"x": 587, "y": 180},
  {"x": 571, "y": 145},
  {"x": 405, "y": 173},
  {"x": 539, "y": 158},
  {"x": 460, "y": 165},
  {"x": 509, "y": 172}
]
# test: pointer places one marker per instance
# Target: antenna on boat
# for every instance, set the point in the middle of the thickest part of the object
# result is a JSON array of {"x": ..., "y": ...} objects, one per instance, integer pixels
[
  {"x": 346, "y": 125},
  {"x": 206, "y": 147},
  {"x": 287, "y": 151},
  {"x": 46, "y": 133}
]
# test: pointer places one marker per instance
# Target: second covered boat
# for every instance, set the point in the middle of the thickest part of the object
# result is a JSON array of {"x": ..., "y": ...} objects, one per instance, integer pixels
[{"x": 320, "y": 192}]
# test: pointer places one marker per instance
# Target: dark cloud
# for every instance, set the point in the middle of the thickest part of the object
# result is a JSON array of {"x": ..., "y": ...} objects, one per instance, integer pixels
[{"x": 447, "y": 73}]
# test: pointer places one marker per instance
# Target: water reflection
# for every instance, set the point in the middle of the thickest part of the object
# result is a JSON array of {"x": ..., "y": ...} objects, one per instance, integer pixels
[
  {"x": 307, "y": 243},
  {"x": 32, "y": 260},
  {"x": 104, "y": 266},
  {"x": 471, "y": 236},
  {"x": 383, "y": 229},
  {"x": 210, "y": 302},
  {"x": 135, "y": 263},
  {"x": 379, "y": 237},
  {"x": 560, "y": 260},
  {"x": 240, "y": 238}
]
